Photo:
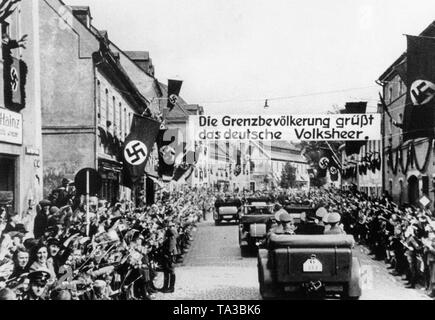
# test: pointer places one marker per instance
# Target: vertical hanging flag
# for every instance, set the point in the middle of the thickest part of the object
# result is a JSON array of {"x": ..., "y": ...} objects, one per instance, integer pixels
[
  {"x": 170, "y": 148},
  {"x": 420, "y": 103},
  {"x": 138, "y": 147},
  {"x": 174, "y": 88},
  {"x": 354, "y": 147},
  {"x": 327, "y": 163},
  {"x": 324, "y": 163},
  {"x": 166, "y": 155},
  {"x": 238, "y": 166}
]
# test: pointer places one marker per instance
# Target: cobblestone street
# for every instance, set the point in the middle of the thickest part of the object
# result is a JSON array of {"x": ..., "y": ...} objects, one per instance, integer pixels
[{"x": 214, "y": 270}]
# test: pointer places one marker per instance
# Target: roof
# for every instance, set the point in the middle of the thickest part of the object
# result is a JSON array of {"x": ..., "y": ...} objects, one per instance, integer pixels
[
  {"x": 81, "y": 8},
  {"x": 138, "y": 55},
  {"x": 285, "y": 145},
  {"x": 194, "y": 109},
  {"x": 288, "y": 157}
]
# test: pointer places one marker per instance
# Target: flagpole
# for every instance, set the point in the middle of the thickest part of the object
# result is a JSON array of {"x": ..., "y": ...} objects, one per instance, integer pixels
[
  {"x": 334, "y": 155},
  {"x": 87, "y": 204}
]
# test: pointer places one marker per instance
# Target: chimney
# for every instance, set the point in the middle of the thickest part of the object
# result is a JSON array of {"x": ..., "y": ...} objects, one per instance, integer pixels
[{"x": 83, "y": 14}]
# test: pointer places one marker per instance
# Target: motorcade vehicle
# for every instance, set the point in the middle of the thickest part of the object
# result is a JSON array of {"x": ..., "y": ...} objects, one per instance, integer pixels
[
  {"x": 254, "y": 224},
  {"x": 309, "y": 264},
  {"x": 227, "y": 210}
]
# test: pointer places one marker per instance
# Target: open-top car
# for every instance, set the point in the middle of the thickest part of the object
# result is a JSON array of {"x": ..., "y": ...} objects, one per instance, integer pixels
[
  {"x": 324, "y": 264},
  {"x": 254, "y": 224},
  {"x": 227, "y": 210}
]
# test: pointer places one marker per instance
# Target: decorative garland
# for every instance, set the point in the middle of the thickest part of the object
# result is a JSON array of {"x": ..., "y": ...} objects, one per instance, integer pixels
[
  {"x": 427, "y": 159},
  {"x": 412, "y": 159}
]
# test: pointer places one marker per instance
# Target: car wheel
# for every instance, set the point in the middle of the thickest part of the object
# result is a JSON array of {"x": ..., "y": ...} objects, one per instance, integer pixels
[
  {"x": 217, "y": 222},
  {"x": 245, "y": 251}
]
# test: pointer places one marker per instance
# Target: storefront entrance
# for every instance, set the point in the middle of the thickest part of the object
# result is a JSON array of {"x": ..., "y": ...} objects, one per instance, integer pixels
[
  {"x": 7, "y": 182},
  {"x": 110, "y": 175}
]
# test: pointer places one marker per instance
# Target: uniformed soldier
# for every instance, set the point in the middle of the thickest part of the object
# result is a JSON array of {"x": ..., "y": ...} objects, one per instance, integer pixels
[
  {"x": 287, "y": 225},
  {"x": 274, "y": 223},
  {"x": 320, "y": 214},
  {"x": 310, "y": 226},
  {"x": 170, "y": 251},
  {"x": 38, "y": 281},
  {"x": 333, "y": 220}
]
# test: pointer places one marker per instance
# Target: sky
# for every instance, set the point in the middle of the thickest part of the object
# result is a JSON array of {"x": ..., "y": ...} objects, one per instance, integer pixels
[{"x": 305, "y": 57}]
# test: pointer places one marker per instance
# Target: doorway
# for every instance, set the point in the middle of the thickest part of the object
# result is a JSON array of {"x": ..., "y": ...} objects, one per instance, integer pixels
[
  {"x": 7, "y": 183},
  {"x": 413, "y": 190}
]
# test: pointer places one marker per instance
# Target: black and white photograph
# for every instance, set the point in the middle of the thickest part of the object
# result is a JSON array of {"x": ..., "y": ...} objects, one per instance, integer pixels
[{"x": 228, "y": 151}]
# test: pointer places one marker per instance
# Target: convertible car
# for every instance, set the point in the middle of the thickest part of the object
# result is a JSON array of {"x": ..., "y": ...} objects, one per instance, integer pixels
[{"x": 294, "y": 264}]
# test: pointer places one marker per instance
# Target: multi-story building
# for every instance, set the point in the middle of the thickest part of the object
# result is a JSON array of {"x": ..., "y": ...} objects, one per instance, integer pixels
[
  {"x": 91, "y": 91},
  {"x": 405, "y": 180},
  {"x": 21, "y": 176},
  {"x": 261, "y": 165},
  {"x": 282, "y": 153},
  {"x": 363, "y": 170}
]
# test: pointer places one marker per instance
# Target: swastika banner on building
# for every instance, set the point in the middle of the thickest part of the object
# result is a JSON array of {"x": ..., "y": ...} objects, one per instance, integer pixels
[
  {"x": 420, "y": 103},
  {"x": 138, "y": 147}
]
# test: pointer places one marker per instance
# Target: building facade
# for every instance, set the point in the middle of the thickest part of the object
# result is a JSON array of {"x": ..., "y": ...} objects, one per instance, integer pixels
[
  {"x": 409, "y": 168},
  {"x": 21, "y": 176},
  {"x": 363, "y": 170},
  {"x": 91, "y": 92}
]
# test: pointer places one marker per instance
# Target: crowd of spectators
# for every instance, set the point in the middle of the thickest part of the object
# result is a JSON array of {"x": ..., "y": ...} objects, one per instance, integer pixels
[
  {"x": 402, "y": 236},
  {"x": 51, "y": 252}
]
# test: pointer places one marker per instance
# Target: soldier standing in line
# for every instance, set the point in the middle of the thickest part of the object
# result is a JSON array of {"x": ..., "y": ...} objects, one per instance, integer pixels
[{"x": 170, "y": 252}]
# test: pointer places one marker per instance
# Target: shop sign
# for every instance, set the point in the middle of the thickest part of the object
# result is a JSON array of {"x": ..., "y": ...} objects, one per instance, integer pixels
[
  {"x": 11, "y": 127},
  {"x": 32, "y": 152}
]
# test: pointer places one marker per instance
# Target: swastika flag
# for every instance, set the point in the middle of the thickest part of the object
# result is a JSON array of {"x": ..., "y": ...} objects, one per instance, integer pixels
[
  {"x": 174, "y": 88},
  {"x": 138, "y": 147},
  {"x": 354, "y": 147},
  {"x": 420, "y": 102}
]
